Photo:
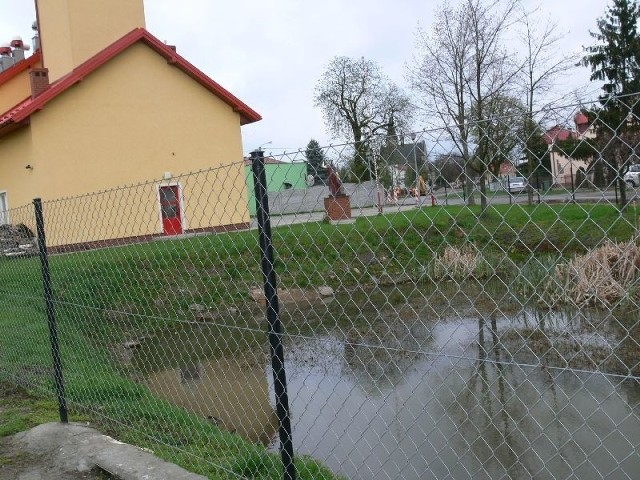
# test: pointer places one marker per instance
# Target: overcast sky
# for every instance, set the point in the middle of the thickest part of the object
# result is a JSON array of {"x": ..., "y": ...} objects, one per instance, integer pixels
[{"x": 270, "y": 53}]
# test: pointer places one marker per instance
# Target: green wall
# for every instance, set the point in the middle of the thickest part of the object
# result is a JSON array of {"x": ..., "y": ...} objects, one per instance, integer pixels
[{"x": 280, "y": 176}]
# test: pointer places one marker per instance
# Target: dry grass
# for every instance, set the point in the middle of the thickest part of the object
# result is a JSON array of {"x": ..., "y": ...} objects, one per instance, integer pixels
[
  {"x": 602, "y": 276},
  {"x": 457, "y": 263}
]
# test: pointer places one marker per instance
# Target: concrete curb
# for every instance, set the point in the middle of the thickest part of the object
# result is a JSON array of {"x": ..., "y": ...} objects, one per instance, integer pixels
[{"x": 78, "y": 448}]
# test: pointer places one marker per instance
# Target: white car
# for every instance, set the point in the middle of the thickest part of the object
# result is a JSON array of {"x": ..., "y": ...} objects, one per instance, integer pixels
[
  {"x": 517, "y": 184},
  {"x": 632, "y": 177}
]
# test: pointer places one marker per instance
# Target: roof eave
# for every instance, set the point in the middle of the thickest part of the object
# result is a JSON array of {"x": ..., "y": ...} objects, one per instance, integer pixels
[
  {"x": 247, "y": 114},
  {"x": 11, "y": 126},
  {"x": 246, "y": 117}
]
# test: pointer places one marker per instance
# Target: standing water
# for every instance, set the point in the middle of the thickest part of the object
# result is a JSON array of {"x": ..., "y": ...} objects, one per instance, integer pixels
[{"x": 405, "y": 392}]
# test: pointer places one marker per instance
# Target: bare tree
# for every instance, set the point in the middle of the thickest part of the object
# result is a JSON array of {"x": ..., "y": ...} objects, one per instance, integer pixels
[
  {"x": 463, "y": 63},
  {"x": 448, "y": 169},
  {"x": 542, "y": 68},
  {"x": 502, "y": 131},
  {"x": 358, "y": 101}
]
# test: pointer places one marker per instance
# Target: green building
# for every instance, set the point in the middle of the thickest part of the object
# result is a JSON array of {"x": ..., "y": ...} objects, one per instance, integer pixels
[{"x": 280, "y": 176}]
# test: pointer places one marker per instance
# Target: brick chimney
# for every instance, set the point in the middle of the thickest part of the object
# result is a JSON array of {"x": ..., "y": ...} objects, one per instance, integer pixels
[{"x": 39, "y": 81}]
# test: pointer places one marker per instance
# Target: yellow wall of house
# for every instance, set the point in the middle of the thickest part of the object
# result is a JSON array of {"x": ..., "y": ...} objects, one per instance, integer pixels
[
  {"x": 72, "y": 31},
  {"x": 15, "y": 90},
  {"x": 15, "y": 155},
  {"x": 129, "y": 122}
]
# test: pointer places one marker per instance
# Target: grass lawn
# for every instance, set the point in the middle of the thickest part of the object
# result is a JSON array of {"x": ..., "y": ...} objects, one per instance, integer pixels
[
  {"x": 21, "y": 410},
  {"x": 107, "y": 295}
]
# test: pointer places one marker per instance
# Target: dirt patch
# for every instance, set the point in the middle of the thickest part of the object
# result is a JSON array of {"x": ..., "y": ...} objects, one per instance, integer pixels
[{"x": 296, "y": 296}]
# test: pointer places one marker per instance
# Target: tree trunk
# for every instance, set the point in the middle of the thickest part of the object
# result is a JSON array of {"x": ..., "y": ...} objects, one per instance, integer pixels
[
  {"x": 483, "y": 194},
  {"x": 360, "y": 169},
  {"x": 469, "y": 186},
  {"x": 622, "y": 187},
  {"x": 598, "y": 174},
  {"x": 530, "y": 169}
]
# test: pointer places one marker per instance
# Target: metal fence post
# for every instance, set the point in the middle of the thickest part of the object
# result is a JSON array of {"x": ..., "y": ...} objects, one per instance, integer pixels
[
  {"x": 273, "y": 315},
  {"x": 51, "y": 313}
]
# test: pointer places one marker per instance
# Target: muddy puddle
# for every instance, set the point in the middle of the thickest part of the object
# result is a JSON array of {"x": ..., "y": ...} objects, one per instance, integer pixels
[{"x": 407, "y": 383}]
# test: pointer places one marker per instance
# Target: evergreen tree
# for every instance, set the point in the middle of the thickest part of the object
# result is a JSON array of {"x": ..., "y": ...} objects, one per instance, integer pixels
[
  {"x": 316, "y": 163},
  {"x": 537, "y": 159},
  {"x": 615, "y": 59}
]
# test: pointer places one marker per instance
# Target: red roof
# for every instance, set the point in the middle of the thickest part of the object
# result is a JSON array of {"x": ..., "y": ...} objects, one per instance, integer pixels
[
  {"x": 24, "y": 109},
  {"x": 582, "y": 122},
  {"x": 506, "y": 167},
  {"x": 558, "y": 133},
  {"x": 8, "y": 116},
  {"x": 19, "y": 67},
  {"x": 581, "y": 119}
]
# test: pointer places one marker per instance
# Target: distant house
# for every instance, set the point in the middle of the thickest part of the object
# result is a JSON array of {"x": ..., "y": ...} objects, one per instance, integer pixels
[
  {"x": 507, "y": 170},
  {"x": 280, "y": 176},
  {"x": 104, "y": 103},
  {"x": 564, "y": 168},
  {"x": 401, "y": 158}
]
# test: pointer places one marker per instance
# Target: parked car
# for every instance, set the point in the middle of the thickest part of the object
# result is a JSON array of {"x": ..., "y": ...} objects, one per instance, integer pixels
[
  {"x": 632, "y": 177},
  {"x": 517, "y": 184}
]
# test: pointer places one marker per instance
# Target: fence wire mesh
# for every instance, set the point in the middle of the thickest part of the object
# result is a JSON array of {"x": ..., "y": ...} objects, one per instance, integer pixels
[{"x": 445, "y": 314}]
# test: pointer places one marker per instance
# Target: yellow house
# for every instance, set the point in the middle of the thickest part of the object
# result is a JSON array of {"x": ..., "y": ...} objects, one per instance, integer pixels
[{"x": 104, "y": 103}]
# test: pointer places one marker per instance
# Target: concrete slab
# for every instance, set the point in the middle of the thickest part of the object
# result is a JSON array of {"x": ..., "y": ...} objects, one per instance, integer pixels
[
  {"x": 345, "y": 221},
  {"x": 78, "y": 448}
]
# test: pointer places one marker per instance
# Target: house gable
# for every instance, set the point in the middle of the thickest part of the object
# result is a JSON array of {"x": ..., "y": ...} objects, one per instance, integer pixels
[
  {"x": 132, "y": 120},
  {"x": 29, "y": 106}
]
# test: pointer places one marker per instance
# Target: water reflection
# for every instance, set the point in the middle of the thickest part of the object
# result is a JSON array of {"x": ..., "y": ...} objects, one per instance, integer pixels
[
  {"x": 191, "y": 373},
  {"x": 379, "y": 393},
  {"x": 455, "y": 405},
  {"x": 484, "y": 412},
  {"x": 380, "y": 356},
  {"x": 232, "y": 395}
]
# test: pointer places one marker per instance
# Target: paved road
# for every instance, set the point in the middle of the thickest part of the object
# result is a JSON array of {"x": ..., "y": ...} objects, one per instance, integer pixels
[
  {"x": 606, "y": 196},
  {"x": 453, "y": 198}
]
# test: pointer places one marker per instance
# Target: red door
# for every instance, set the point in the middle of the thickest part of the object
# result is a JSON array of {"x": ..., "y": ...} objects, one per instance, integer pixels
[{"x": 170, "y": 208}]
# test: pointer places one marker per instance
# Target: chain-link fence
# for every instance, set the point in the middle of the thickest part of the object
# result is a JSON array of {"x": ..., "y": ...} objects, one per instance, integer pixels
[{"x": 423, "y": 308}]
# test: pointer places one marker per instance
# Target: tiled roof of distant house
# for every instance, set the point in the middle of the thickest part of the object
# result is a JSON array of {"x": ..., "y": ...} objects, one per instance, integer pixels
[{"x": 558, "y": 133}]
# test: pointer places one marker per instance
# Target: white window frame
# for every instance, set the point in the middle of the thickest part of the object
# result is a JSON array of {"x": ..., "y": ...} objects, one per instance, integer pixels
[{"x": 4, "y": 216}]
